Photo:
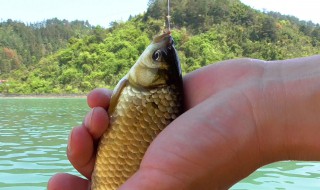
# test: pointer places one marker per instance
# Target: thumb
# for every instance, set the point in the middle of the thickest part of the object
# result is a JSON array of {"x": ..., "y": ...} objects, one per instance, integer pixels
[
  {"x": 166, "y": 164},
  {"x": 211, "y": 146},
  {"x": 173, "y": 161},
  {"x": 148, "y": 178}
]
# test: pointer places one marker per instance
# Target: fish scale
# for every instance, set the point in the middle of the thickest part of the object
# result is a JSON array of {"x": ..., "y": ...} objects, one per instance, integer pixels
[{"x": 139, "y": 116}]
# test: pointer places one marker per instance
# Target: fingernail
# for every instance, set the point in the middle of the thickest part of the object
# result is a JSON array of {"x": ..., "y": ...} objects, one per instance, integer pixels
[
  {"x": 69, "y": 142},
  {"x": 87, "y": 120}
]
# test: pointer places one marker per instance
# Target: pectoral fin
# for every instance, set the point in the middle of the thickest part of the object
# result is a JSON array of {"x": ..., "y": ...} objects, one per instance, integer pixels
[{"x": 116, "y": 94}]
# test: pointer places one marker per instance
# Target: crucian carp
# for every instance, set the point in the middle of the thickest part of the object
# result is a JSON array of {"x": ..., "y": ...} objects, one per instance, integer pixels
[{"x": 143, "y": 103}]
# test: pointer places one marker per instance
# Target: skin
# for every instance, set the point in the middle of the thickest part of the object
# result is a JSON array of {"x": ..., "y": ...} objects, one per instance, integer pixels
[{"x": 241, "y": 114}]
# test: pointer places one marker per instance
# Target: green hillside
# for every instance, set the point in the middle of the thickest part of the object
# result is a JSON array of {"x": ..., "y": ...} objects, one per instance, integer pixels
[
  {"x": 22, "y": 45},
  {"x": 205, "y": 31}
]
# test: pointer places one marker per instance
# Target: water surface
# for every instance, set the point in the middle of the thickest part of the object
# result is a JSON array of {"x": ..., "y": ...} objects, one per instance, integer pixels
[
  {"x": 34, "y": 133},
  {"x": 33, "y": 136}
]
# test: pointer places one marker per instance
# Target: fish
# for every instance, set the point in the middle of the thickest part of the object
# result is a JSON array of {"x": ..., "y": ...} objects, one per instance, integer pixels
[{"x": 146, "y": 100}]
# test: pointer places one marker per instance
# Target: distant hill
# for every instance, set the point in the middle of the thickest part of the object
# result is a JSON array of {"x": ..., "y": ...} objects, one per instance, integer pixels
[
  {"x": 205, "y": 31},
  {"x": 22, "y": 45}
]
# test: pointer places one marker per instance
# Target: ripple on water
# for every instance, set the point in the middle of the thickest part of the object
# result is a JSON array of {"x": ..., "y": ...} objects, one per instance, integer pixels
[
  {"x": 33, "y": 140},
  {"x": 283, "y": 175}
]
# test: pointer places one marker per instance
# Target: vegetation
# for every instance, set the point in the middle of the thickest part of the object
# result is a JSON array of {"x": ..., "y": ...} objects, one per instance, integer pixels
[
  {"x": 73, "y": 57},
  {"x": 23, "y": 45}
]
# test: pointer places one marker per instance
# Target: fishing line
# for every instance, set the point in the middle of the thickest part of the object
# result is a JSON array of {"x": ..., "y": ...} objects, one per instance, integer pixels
[{"x": 168, "y": 17}]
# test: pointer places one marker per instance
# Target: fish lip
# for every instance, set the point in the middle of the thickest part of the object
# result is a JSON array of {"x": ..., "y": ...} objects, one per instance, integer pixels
[{"x": 162, "y": 37}]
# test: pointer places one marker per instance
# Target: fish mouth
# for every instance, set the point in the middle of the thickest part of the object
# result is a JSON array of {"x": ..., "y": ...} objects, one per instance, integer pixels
[{"x": 165, "y": 37}]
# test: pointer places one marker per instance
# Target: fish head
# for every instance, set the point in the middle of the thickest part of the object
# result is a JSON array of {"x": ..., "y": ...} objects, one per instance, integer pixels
[{"x": 158, "y": 65}]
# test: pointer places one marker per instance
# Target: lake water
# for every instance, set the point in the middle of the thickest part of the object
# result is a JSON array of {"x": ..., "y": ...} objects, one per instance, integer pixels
[{"x": 34, "y": 132}]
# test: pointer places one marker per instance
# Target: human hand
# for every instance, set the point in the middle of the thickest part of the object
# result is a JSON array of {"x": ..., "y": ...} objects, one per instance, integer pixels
[
  {"x": 83, "y": 141},
  {"x": 241, "y": 114}
]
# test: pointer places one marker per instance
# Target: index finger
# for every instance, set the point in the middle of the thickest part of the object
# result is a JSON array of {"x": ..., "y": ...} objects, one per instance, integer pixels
[{"x": 99, "y": 97}]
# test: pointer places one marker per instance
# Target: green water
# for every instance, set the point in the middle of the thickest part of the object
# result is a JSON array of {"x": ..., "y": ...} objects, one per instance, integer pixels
[
  {"x": 33, "y": 136},
  {"x": 34, "y": 132}
]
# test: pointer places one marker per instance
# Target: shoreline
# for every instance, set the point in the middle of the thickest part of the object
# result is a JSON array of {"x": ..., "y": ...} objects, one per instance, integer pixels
[{"x": 34, "y": 96}]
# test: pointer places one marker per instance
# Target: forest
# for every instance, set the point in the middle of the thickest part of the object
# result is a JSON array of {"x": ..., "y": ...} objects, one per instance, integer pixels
[{"x": 63, "y": 57}]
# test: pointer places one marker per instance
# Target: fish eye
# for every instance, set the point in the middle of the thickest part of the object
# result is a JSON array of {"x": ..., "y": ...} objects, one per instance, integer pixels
[{"x": 157, "y": 55}]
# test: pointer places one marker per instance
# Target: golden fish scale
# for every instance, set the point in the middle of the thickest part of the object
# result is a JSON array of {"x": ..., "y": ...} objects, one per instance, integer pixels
[{"x": 138, "y": 118}]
